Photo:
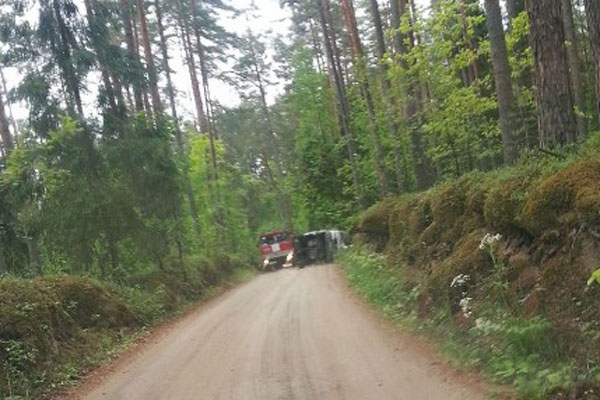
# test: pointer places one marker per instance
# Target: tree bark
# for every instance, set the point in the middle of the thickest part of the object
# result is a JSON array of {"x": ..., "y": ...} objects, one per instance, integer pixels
[
  {"x": 317, "y": 51},
  {"x": 164, "y": 50},
  {"x": 574, "y": 67},
  {"x": 3, "y": 266},
  {"x": 340, "y": 91},
  {"x": 472, "y": 72},
  {"x": 397, "y": 11},
  {"x": 513, "y": 9},
  {"x": 556, "y": 119},
  {"x": 502, "y": 77},
  {"x": 66, "y": 60},
  {"x": 149, "y": 58},
  {"x": 191, "y": 63},
  {"x": 5, "y": 135},
  {"x": 132, "y": 53},
  {"x": 361, "y": 76},
  {"x": 386, "y": 87},
  {"x": 13, "y": 121},
  {"x": 171, "y": 94},
  {"x": 206, "y": 91},
  {"x": 592, "y": 10}
]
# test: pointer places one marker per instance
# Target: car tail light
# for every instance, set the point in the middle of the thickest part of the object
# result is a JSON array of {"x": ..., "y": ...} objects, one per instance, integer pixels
[
  {"x": 265, "y": 249},
  {"x": 285, "y": 246}
]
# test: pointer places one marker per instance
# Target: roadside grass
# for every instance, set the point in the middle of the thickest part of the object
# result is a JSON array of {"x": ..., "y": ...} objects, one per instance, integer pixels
[{"x": 518, "y": 351}]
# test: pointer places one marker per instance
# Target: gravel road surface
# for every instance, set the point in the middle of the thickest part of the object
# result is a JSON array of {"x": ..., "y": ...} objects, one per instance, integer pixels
[{"x": 292, "y": 334}]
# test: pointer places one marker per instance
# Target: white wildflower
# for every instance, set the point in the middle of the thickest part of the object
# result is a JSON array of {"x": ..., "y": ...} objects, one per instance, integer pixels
[
  {"x": 465, "y": 306},
  {"x": 460, "y": 280},
  {"x": 488, "y": 240},
  {"x": 486, "y": 327}
]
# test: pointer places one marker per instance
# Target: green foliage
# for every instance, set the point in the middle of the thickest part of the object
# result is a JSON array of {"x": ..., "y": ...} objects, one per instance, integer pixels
[
  {"x": 524, "y": 314},
  {"x": 79, "y": 199},
  {"x": 381, "y": 286},
  {"x": 321, "y": 180},
  {"x": 594, "y": 277},
  {"x": 52, "y": 329},
  {"x": 521, "y": 351}
]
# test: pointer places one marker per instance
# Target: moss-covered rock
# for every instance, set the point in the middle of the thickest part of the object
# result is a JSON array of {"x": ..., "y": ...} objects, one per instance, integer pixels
[
  {"x": 503, "y": 205},
  {"x": 564, "y": 199},
  {"x": 374, "y": 223},
  {"x": 466, "y": 259},
  {"x": 91, "y": 304}
]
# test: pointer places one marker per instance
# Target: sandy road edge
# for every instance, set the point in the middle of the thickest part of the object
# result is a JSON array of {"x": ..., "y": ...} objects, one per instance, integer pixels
[
  {"x": 427, "y": 348},
  {"x": 97, "y": 375}
]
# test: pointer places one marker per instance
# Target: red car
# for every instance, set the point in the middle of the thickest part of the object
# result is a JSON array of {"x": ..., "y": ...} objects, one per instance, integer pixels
[{"x": 276, "y": 250}]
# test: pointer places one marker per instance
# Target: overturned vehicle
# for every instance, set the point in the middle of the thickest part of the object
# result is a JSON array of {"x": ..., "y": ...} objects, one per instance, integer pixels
[{"x": 318, "y": 246}]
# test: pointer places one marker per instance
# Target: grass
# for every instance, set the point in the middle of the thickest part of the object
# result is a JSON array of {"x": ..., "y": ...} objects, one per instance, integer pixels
[{"x": 511, "y": 350}]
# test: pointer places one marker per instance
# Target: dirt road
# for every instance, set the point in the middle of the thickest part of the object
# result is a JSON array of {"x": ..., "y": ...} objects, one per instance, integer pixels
[{"x": 292, "y": 334}]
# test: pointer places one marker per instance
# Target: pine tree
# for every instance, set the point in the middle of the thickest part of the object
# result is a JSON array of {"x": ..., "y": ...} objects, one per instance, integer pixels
[
  {"x": 592, "y": 10},
  {"x": 556, "y": 119},
  {"x": 363, "y": 80},
  {"x": 574, "y": 67},
  {"x": 502, "y": 74},
  {"x": 149, "y": 57},
  {"x": 335, "y": 69}
]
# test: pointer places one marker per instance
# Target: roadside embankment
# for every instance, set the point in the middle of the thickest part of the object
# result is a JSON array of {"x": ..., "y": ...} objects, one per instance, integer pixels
[
  {"x": 498, "y": 266},
  {"x": 55, "y": 329}
]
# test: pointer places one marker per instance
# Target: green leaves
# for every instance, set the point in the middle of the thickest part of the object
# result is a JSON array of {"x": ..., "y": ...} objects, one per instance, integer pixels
[{"x": 594, "y": 277}]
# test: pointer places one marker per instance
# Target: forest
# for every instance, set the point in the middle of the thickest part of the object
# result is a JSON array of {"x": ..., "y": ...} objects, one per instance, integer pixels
[{"x": 105, "y": 177}]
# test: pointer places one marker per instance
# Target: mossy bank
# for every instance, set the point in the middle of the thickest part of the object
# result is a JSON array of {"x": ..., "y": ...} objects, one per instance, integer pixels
[
  {"x": 497, "y": 265},
  {"x": 54, "y": 329}
]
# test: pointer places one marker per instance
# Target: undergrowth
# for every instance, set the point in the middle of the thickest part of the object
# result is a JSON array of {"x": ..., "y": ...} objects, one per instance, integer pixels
[
  {"x": 53, "y": 330},
  {"x": 511, "y": 350},
  {"x": 502, "y": 262}
]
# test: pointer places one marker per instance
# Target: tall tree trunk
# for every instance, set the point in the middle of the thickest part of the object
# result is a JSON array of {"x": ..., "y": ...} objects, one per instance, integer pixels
[
  {"x": 513, "y": 9},
  {"x": 206, "y": 91},
  {"x": 340, "y": 92},
  {"x": 3, "y": 266},
  {"x": 556, "y": 119},
  {"x": 13, "y": 121},
  {"x": 416, "y": 95},
  {"x": 164, "y": 50},
  {"x": 397, "y": 11},
  {"x": 269, "y": 154},
  {"x": 502, "y": 76},
  {"x": 132, "y": 53},
  {"x": 5, "y": 135},
  {"x": 363, "y": 79},
  {"x": 317, "y": 52},
  {"x": 35, "y": 258},
  {"x": 150, "y": 67},
  {"x": 472, "y": 72},
  {"x": 191, "y": 63},
  {"x": 378, "y": 25},
  {"x": 342, "y": 70},
  {"x": 386, "y": 89},
  {"x": 592, "y": 10},
  {"x": 142, "y": 70},
  {"x": 178, "y": 136},
  {"x": 65, "y": 61},
  {"x": 98, "y": 37},
  {"x": 574, "y": 67}
]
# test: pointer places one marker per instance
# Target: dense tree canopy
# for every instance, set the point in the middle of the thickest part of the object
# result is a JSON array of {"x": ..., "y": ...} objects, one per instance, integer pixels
[{"x": 104, "y": 176}]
